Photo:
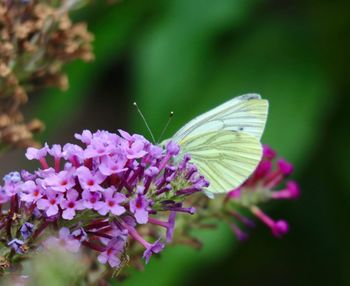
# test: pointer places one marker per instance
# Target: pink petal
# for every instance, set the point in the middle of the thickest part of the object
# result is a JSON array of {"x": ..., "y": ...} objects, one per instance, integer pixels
[
  {"x": 68, "y": 214},
  {"x": 72, "y": 195},
  {"x": 73, "y": 245},
  {"x": 114, "y": 261},
  {"x": 103, "y": 258},
  {"x": 117, "y": 210},
  {"x": 52, "y": 210},
  {"x": 64, "y": 233},
  {"x": 42, "y": 204},
  {"x": 119, "y": 198}
]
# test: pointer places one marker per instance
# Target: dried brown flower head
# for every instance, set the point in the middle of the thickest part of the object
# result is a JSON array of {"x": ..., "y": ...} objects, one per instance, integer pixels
[{"x": 36, "y": 39}]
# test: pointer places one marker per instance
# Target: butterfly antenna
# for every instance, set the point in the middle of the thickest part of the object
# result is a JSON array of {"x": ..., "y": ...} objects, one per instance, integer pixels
[
  {"x": 171, "y": 114},
  {"x": 144, "y": 120}
]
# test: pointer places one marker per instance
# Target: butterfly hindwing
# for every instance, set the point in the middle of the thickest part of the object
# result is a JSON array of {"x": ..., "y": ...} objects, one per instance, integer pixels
[{"x": 224, "y": 158}]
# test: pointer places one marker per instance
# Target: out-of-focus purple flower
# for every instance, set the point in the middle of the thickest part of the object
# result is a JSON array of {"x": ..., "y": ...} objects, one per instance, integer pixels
[
  {"x": 135, "y": 145},
  {"x": 169, "y": 225},
  {"x": 126, "y": 135},
  {"x": 155, "y": 247},
  {"x": 261, "y": 187},
  {"x": 113, "y": 164},
  {"x": 80, "y": 234},
  {"x": 38, "y": 154},
  {"x": 172, "y": 148},
  {"x": 17, "y": 245},
  {"x": 114, "y": 249},
  {"x": 136, "y": 150},
  {"x": 291, "y": 191},
  {"x": 91, "y": 200},
  {"x": 71, "y": 204},
  {"x": 101, "y": 143},
  {"x": 12, "y": 182},
  {"x": 61, "y": 181},
  {"x": 35, "y": 153},
  {"x": 51, "y": 203},
  {"x": 56, "y": 151},
  {"x": 278, "y": 228},
  {"x": 97, "y": 148},
  {"x": 4, "y": 198},
  {"x": 285, "y": 167},
  {"x": 150, "y": 248},
  {"x": 65, "y": 240},
  {"x": 27, "y": 176},
  {"x": 240, "y": 234},
  {"x": 90, "y": 181},
  {"x": 31, "y": 192},
  {"x": 73, "y": 153},
  {"x": 27, "y": 230},
  {"x": 85, "y": 137},
  {"x": 111, "y": 203},
  {"x": 155, "y": 151},
  {"x": 12, "y": 178},
  {"x": 138, "y": 207},
  {"x": 268, "y": 152}
]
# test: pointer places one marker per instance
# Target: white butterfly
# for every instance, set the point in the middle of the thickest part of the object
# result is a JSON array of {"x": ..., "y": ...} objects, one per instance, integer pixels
[{"x": 224, "y": 143}]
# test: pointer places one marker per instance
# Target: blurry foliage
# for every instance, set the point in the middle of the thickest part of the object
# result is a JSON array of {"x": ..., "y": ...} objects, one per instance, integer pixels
[
  {"x": 189, "y": 56},
  {"x": 59, "y": 268},
  {"x": 56, "y": 267}
]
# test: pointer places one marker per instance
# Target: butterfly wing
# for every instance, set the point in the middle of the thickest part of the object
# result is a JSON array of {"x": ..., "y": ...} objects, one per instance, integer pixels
[
  {"x": 246, "y": 113},
  {"x": 224, "y": 158}
]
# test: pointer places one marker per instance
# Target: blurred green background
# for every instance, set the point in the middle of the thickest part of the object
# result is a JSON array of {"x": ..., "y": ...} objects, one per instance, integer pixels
[{"x": 191, "y": 55}]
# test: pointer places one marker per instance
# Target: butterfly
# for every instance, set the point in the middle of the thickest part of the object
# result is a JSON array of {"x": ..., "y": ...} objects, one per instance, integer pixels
[{"x": 224, "y": 143}]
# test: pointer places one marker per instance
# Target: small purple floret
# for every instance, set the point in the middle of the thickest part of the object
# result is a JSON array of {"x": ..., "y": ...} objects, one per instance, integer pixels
[
  {"x": 156, "y": 247},
  {"x": 138, "y": 206},
  {"x": 27, "y": 230},
  {"x": 280, "y": 228},
  {"x": 17, "y": 245}
]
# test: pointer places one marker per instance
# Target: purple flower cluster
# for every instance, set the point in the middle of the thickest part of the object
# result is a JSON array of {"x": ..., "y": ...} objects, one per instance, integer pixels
[
  {"x": 261, "y": 187},
  {"x": 100, "y": 193}
]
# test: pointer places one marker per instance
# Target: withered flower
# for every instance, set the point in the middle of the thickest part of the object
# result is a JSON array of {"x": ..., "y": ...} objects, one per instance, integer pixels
[{"x": 36, "y": 39}]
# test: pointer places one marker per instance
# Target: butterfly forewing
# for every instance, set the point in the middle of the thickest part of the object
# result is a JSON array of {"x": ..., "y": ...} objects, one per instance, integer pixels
[
  {"x": 246, "y": 113},
  {"x": 225, "y": 158}
]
